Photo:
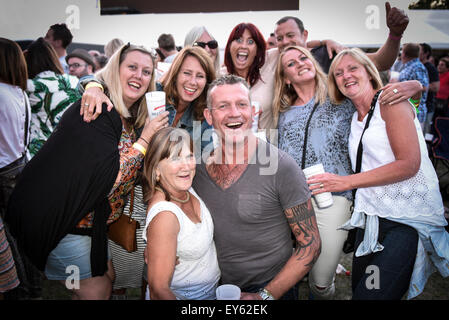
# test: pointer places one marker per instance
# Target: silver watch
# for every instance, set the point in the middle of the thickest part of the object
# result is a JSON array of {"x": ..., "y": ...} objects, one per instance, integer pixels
[{"x": 265, "y": 294}]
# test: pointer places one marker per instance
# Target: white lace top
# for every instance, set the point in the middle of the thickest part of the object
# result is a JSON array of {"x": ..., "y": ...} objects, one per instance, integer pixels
[
  {"x": 197, "y": 274},
  {"x": 416, "y": 196}
]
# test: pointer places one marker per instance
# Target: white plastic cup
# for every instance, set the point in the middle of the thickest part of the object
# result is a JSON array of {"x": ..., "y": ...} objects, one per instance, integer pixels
[
  {"x": 394, "y": 76},
  {"x": 155, "y": 103},
  {"x": 323, "y": 200},
  {"x": 228, "y": 292}
]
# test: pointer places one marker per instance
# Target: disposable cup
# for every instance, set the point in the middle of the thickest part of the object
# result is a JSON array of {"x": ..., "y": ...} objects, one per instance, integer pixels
[
  {"x": 323, "y": 200},
  {"x": 155, "y": 103},
  {"x": 228, "y": 292}
]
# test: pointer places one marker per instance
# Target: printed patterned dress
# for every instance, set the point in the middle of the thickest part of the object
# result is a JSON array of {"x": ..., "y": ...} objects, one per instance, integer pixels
[
  {"x": 130, "y": 162},
  {"x": 50, "y": 95}
]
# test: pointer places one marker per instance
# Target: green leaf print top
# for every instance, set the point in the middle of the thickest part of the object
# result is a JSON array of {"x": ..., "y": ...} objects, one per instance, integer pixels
[{"x": 50, "y": 95}]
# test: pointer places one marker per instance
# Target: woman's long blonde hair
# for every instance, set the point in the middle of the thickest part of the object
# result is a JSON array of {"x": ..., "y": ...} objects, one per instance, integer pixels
[
  {"x": 110, "y": 75},
  {"x": 285, "y": 95}
]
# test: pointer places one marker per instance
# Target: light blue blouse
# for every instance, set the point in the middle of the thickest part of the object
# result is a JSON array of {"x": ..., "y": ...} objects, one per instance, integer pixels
[{"x": 327, "y": 138}]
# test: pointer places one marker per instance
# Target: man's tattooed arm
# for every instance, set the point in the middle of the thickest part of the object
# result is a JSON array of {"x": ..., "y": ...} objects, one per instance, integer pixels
[{"x": 302, "y": 221}]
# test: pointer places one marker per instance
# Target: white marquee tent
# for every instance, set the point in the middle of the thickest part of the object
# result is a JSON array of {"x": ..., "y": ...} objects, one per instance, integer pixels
[{"x": 350, "y": 22}]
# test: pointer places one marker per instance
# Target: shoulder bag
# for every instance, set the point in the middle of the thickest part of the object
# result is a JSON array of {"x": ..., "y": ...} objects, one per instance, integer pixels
[{"x": 123, "y": 230}]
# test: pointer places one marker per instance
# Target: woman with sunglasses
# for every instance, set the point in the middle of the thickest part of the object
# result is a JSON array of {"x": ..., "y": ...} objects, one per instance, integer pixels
[
  {"x": 78, "y": 182},
  {"x": 200, "y": 37}
]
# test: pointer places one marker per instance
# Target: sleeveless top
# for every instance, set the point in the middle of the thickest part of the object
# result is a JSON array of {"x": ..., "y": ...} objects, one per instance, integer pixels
[
  {"x": 410, "y": 198},
  {"x": 197, "y": 274},
  {"x": 415, "y": 202}
]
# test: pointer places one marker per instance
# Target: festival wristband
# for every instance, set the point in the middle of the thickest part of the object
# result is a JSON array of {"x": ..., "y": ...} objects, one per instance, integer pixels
[
  {"x": 94, "y": 84},
  {"x": 392, "y": 36},
  {"x": 415, "y": 102},
  {"x": 139, "y": 147}
]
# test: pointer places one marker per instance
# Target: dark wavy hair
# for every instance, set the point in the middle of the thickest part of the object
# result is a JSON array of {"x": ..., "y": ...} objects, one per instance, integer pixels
[
  {"x": 62, "y": 32},
  {"x": 259, "y": 60},
  {"x": 40, "y": 56}
]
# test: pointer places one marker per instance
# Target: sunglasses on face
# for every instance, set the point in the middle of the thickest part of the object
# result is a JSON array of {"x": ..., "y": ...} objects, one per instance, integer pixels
[{"x": 213, "y": 44}]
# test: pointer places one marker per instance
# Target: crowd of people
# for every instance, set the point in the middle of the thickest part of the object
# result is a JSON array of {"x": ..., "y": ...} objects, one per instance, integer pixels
[{"x": 216, "y": 181}]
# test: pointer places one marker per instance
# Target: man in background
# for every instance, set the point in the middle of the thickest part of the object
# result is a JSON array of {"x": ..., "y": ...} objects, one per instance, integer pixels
[
  {"x": 60, "y": 37},
  {"x": 81, "y": 64},
  {"x": 425, "y": 52},
  {"x": 413, "y": 69},
  {"x": 167, "y": 46},
  {"x": 271, "y": 41}
]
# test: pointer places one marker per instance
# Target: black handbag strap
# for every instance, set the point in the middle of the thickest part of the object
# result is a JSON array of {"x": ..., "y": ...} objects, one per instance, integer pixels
[
  {"x": 25, "y": 142},
  {"x": 306, "y": 133},
  {"x": 131, "y": 204},
  {"x": 358, "y": 165}
]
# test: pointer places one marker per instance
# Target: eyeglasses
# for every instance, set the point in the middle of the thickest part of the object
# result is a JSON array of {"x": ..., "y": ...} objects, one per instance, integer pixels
[
  {"x": 213, "y": 44},
  {"x": 76, "y": 65}
]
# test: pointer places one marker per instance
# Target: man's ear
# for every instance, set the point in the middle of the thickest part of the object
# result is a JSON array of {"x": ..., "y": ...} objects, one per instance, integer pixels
[
  {"x": 305, "y": 35},
  {"x": 207, "y": 115}
]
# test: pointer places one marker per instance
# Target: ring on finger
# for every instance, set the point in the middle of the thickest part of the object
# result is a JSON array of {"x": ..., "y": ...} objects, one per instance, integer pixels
[
  {"x": 86, "y": 104},
  {"x": 322, "y": 185},
  {"x": 395, "y": 91}
]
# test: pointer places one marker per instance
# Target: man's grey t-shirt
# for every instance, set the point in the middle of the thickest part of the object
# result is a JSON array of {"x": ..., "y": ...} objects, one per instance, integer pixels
[{"x": 251, "y": 233}]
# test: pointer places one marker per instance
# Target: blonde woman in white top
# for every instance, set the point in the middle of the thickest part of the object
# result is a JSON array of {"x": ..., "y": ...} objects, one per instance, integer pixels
[{"x": 398, "y": 208}]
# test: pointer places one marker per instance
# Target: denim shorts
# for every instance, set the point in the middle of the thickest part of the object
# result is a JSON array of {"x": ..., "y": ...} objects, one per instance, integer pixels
[{"x": 72, "y": 254}]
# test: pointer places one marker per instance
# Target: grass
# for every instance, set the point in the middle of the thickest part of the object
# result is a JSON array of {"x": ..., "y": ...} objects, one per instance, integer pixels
[{"x": 436, "y": 288}]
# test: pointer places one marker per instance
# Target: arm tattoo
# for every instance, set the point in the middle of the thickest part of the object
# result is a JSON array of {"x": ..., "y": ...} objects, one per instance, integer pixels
[{"x": 302, "y": 221}]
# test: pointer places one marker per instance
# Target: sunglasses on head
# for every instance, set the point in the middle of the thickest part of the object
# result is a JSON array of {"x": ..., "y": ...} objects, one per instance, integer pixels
[{"x": 213, "y": 44}]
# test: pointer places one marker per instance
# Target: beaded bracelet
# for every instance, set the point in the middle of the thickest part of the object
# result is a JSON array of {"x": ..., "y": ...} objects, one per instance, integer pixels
[{"x": 143, "y": 139}]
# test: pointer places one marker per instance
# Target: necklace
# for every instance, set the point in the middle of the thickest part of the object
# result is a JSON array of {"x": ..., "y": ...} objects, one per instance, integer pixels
[{"x": 174, "y": 198}]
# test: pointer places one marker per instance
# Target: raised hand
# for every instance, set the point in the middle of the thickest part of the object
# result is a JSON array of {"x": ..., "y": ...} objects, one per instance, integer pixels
[{"x": 397, "y": 20}]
